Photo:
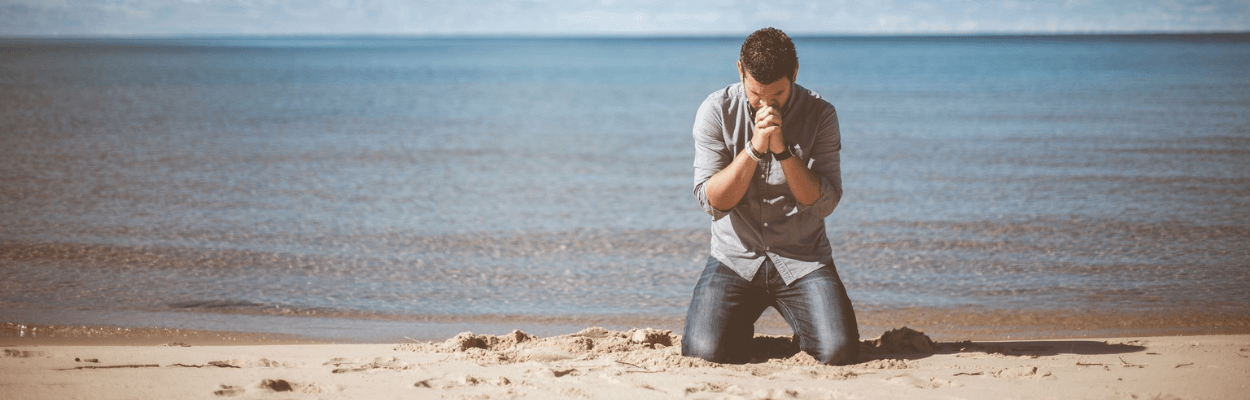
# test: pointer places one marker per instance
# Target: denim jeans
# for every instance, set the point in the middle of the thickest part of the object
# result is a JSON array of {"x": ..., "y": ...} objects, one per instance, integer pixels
[{"x": 721, "y": 320}]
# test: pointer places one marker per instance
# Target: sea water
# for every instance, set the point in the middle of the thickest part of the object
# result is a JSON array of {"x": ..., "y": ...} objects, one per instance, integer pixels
[{"x": 367, "y": 188}]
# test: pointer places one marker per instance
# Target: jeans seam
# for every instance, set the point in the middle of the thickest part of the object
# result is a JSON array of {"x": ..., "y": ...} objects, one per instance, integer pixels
[{"x": 789, "y": 317}]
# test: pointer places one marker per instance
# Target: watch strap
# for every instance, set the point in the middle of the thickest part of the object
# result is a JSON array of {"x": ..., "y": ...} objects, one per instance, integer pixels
[{"x": 784, "y": 155}]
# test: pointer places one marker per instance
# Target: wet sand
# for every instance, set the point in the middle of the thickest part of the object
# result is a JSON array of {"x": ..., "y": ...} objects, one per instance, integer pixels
[
  {"x": 226, "y": 325},
  {"x": 636, "y": 363}
]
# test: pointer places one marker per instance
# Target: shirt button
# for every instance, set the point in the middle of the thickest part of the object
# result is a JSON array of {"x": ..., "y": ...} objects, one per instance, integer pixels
[
  {"x": 761, "y": 175},
  {"x": 768, "y": 248},
  {"x": 765, "y": 224}
]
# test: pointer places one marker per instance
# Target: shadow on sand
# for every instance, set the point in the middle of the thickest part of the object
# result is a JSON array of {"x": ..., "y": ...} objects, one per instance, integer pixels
[{"x": 908, "y": 344}]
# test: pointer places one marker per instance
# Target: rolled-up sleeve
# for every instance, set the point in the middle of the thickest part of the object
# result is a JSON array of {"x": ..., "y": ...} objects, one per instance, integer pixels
[
  {"x": 825, "y": 162},
  {"x": 711, "y": 153}
]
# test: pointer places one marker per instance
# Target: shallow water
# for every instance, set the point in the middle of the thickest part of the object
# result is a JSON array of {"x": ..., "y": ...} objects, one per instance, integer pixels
[{"x": 342, "y": 183}]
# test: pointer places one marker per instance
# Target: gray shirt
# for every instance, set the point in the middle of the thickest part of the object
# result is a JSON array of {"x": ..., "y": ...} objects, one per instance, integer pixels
[{"x": 768, "y": 221}]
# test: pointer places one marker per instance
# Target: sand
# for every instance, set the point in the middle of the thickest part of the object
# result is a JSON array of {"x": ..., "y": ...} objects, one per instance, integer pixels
[{"x": 597, "y": 363}]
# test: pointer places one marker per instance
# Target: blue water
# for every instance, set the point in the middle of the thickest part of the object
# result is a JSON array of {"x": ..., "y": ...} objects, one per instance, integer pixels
[{"x": 511, "y": 179}]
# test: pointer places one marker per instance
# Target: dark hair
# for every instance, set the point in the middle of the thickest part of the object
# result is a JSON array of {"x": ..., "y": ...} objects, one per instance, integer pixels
[{"x": 768, "y": 55}]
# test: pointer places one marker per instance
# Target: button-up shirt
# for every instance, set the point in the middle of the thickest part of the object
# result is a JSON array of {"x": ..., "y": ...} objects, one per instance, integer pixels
[{"x": 768, "y": 221}]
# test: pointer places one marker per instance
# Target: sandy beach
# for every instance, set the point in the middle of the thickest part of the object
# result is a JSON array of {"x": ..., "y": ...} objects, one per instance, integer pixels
[{"x": 597, "y": 363}]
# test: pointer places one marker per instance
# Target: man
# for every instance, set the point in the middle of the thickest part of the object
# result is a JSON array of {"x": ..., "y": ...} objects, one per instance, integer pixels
[{"x": 767, "y": 170}]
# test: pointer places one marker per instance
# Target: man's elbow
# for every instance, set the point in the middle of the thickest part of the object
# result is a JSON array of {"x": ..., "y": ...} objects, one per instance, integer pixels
[
  {"x": 716, "y": 212},
  {"x": 809, "y": 201},
  {"x": 715, "y": 206},
  {"x": 824, "y": 205},
  {"x": 709, "y": 203}
]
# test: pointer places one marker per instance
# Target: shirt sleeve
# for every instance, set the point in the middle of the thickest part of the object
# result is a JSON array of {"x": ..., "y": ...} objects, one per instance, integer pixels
[
  {"x": 711, "y": 153},
  {"x": 825, "y": 162}
]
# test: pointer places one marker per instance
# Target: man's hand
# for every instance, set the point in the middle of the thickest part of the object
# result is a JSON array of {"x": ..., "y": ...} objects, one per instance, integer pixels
[
  {"x": 768, "y": 130},
  {"x": 761, "y": 140}
]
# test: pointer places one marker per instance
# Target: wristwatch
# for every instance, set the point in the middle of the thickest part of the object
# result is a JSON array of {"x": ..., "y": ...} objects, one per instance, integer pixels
[{"x": 783, "y": 156}]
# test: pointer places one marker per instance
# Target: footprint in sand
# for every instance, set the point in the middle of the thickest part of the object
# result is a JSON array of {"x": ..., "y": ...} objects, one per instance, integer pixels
[
  {"x": 714, "y": 387},
  {"x": 921, "y": 382},
  {"x": 275, "y": 385},
  {"x": 262, "y": 363},
  {"x": 1026, "y": 372},
  {"x": 227, "y": 391},
  {"x": 342, "y": 365},
  {"x": 283, "y": 385},
  {"x": 799, "y": 394},
  {"x": 465, "y": 380},
  {"x": 22, "y": 353}
]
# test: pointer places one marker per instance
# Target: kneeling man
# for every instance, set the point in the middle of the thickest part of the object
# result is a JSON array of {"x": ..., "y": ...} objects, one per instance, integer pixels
[{"x": 766, "y": 168}]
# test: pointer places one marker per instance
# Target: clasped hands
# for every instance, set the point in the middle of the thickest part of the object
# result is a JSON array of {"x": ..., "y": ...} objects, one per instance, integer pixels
[{"x": 768, "y": 137}]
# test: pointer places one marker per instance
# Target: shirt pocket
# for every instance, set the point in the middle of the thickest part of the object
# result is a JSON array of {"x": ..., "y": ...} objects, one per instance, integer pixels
[{"x": 774, "y": 191}]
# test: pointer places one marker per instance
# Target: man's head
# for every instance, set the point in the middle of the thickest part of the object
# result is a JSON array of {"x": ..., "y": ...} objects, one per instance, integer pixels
[{"x": 768, "y": 65}]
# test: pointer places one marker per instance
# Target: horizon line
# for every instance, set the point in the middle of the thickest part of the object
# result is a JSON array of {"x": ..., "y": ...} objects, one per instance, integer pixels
[{"x": 987, "y": 34}]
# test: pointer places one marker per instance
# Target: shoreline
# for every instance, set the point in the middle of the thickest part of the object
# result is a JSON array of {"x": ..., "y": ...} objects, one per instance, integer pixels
[
  {"x": 942, "y": 324},
  {"x": 641, "y": 363},
  {"x": 20, "y": 334}
]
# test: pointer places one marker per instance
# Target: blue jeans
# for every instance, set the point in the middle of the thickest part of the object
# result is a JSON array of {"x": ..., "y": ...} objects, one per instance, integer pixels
[{"x": 721, "y": 320}]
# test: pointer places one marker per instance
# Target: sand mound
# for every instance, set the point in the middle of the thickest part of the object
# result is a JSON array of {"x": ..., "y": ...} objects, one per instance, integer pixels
[
  {"x": 900, "y": 341},
  {"x": 645, "y": 348}
]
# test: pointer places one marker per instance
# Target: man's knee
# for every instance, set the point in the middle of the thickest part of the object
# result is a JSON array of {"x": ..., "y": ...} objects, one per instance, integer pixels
[
  {"x": 704, "y": 349},
  {"x": 838, "y": 351}
]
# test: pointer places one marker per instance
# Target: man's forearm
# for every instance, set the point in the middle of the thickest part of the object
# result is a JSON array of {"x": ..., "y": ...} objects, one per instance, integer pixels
[
  {"x": 726, "y": 188},
  {"x": 804, "y": 184}
]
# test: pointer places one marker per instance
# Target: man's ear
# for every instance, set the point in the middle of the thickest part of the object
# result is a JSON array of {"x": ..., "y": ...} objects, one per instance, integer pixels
[
  {"x": 741, "y": 74},
  {"x": 796, "y": 72}
]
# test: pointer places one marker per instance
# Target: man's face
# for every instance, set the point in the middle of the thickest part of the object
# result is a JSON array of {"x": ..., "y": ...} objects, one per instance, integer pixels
[{"x": 773, "y": 94}]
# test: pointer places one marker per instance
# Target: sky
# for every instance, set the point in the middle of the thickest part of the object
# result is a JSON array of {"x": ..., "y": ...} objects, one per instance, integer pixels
[{"x": 613, "y": 17}]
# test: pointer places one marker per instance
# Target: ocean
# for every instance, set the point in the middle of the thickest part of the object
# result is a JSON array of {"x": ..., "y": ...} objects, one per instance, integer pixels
[{"x": 376, "y": 188}]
